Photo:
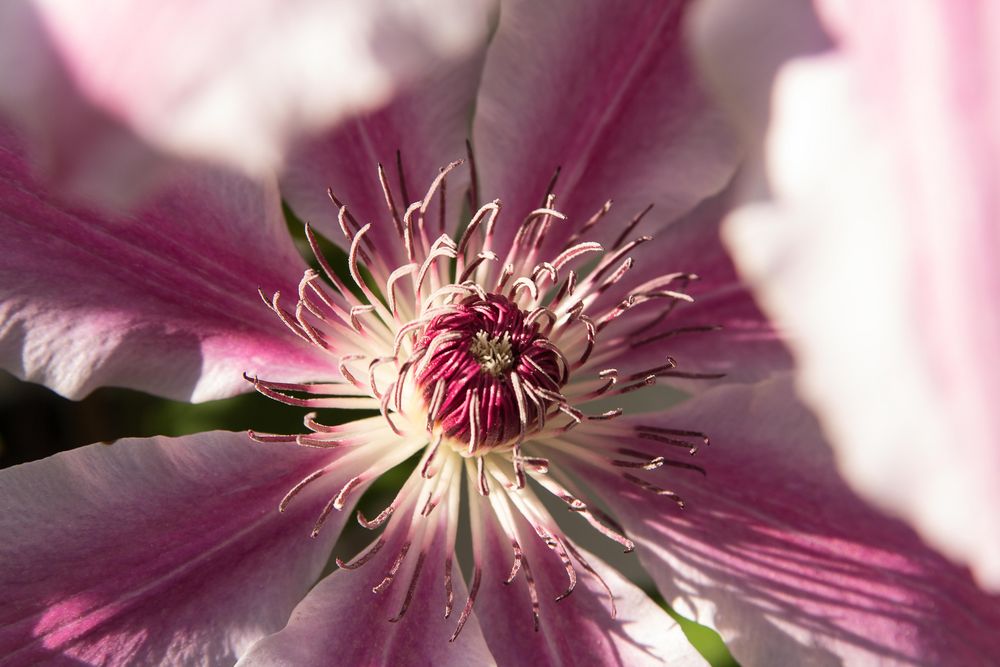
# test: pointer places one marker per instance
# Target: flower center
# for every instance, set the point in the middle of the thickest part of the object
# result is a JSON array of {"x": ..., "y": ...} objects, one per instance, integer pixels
[
  {"x": 471, "y": 343},
  {"x": 493, "y": 353},
  {"x": 487, "y": 375}
]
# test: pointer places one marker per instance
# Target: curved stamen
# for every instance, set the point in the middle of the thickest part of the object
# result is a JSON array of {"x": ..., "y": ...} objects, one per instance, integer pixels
[{"x": 479, "y": 363}]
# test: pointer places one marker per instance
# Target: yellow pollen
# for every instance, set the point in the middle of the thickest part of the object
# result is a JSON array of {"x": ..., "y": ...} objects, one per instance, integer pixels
[{"x": 492, "y": 352}]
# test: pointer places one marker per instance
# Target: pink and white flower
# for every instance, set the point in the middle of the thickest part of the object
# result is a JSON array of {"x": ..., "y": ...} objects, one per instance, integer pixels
[
  {"x": 479, "y": 343},
  {"x": 874, "y": 240}
]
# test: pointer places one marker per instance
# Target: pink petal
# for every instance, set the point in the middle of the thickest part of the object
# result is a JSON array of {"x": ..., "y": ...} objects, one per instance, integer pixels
[
  {"x": 776, "y": 551},
  {"x": 427, "y": 125},
  {"x": 580, "y": 628},
  {"x": 608, "y": 94},
  {"x": 165, "y": 301},
  {"x": 116, "y": 94},
  {"x": 343, "y": 617},
  {"x": 877, "y": 251},
  {"x": 156, "y": 551},
  {"x": 744, "y": 347}
]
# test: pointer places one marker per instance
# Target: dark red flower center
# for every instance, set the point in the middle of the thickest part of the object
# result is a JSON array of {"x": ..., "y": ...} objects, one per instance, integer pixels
[{"x": 487, "y": 375}]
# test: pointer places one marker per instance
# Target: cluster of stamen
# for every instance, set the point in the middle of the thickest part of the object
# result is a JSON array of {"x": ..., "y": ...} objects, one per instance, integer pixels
[
  {"x": 487, "y": 354},
  {"x": 493, "y": 352}
]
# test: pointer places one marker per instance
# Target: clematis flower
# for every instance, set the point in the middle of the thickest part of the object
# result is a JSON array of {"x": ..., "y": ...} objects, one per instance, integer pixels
[
  {"x": 501, "y": 349},
  {"x": 874, "y": 240},
  {"x": 117, "y": 95}
]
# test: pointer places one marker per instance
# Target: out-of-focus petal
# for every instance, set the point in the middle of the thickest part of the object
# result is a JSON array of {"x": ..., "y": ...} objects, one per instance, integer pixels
[
  {"x": 164, "y": 301},
  {"x": 608, "y": 94},
  {"x": 156, "y": 551},
  {"x": 427, "y": 124},
  {"x": 877, "y": 252},
  {"x": 344, "y": 621},
  {"x": 741, "y": 47},
  {"x": 578, "y": 629},
  {"x": 112, "y": 91},
  {"x": 774, "y": 549}
]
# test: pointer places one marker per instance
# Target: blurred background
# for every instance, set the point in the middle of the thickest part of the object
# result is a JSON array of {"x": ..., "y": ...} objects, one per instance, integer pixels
[{"x": 35, "y": 422}]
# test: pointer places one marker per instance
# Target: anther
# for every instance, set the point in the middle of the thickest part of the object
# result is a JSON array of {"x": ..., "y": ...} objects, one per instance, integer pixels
[
  {"x": 411, "y": 588},
  {"x": 391, "y": 574},
  {"x": 477, "y": 577}
]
